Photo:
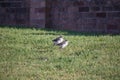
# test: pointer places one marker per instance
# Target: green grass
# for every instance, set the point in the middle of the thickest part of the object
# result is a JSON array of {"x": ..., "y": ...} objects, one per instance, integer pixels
[{"x": 28, "y": 54}]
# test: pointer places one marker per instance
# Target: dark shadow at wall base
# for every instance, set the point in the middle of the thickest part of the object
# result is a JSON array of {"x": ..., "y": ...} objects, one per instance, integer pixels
[
  {"x": 20, "y": 26},
  {"x": 50, "y": 31}
]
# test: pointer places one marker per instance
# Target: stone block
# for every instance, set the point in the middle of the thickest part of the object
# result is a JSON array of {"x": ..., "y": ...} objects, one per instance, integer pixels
[
  {"x": 113, "y": 14},
  {"x": 37, "y": 4},
  {"x": 117, "y": 20},
  {"x": 79, "y": 21},
  {"x": 101, "y": 15},
  {"x": 21, "y": 10},
  {"x": 40, "y": 10},
  {"x": 112, "y": 27},
  {"x": 10, "y": 10},
  {"x": 100, "y": 2},
  {"x": 112, "y": 21},
  {"x": 101, "y": 27},
  {"x": 78, "y": 3},
  {"x": 38, "y": 21},
  {"x": 94, "y": 8},
  {"x": 83, "y": 9},
  {"x": 16, "y": 5},
  {"x": 2, "y": 10},
  {"x": 12, "y": 4},
  {"x": 20, "y": 21},
  {"x": 107, "y": 8},
  {"x": 4, "y": 4},
  {"x": 101, "y": 20},
  {"x": 37, "y": 13},
  {"x": 87, "y": 15},
  {"x": 43, "y": 4}
]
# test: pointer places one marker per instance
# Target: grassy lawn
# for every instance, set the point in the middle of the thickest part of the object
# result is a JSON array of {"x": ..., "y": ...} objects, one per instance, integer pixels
[{"x": 28, "y": 54}]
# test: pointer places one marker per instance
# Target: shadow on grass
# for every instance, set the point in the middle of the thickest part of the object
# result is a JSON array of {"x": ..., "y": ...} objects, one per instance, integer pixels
[
  {"x": 48, "y": 31},
  {"x": 72, "y": 33}
]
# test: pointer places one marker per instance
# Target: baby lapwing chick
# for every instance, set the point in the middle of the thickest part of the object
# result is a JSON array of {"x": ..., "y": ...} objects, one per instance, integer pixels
[
  {"x": 58, "y": 40},
  {"x": 63, "y": 44}
]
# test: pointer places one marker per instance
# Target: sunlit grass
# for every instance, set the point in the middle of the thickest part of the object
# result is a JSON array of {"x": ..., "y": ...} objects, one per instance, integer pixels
[{"x": 28, "y": 54}]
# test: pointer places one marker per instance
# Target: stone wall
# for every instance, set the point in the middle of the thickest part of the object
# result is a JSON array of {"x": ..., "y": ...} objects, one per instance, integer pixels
[
  {"x": 14, "y": 12},
  {"x": 85, "y": 15},
  {"x": 75, "y": 15},
  {"x": 37, "y": 13},
  {"x": 22, "y": 13}
]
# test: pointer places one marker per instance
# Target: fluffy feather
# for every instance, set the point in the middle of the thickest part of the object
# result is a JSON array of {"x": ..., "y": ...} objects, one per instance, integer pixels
[
  {"x": 63, "y": 44},
  {"x": 58, "y": 40}
]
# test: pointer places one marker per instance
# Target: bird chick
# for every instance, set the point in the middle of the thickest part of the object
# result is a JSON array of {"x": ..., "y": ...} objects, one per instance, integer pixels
[
  {"x": 63, "y": 44},
  {"x": 58, "y": 40}
]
